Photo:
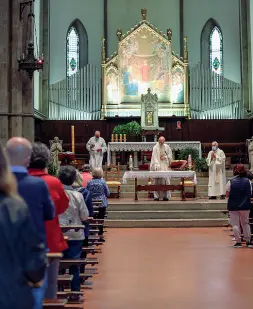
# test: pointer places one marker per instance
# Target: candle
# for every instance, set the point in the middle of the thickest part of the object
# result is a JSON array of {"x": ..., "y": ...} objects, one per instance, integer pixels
[
  {"x": 124, "y": 137},
  {"x": 120, "y": 137},
  {"x": 112, "y": 138},
  {"x": 116, "y": 137},
  {"x": 73, "y": 138}
]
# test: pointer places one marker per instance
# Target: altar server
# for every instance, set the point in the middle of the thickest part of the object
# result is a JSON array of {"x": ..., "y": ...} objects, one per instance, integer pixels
[
  {"x": 96, "y": 147},
  {"x": 217, "y": 173},
  {"x": 160, "y": 161}
]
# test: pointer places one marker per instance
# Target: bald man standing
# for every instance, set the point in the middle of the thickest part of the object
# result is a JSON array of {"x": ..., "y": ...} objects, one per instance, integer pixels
[
  {"x": 217, "y": 173},
  {"x": 96, "y": 147},
  {"x": 35, "y": 193},
  {"x": 160, "y": 161}
]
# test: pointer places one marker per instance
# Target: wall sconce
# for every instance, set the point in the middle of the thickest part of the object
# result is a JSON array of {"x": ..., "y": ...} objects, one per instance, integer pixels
[{"x": 28, "y": 62}]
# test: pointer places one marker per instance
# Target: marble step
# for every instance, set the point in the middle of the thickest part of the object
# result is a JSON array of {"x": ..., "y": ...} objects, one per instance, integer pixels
[
  {"x": 172, "y": 205},
  {"x": 165, "y": 214},
  {"x": 130, "y": 188},
  {"x": 166, "y": 223},
  {"x": 144, "y": 194}
]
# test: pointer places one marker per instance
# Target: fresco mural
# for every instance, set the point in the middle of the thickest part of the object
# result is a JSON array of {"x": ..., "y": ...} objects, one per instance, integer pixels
[{"x": 144, "y": 63}]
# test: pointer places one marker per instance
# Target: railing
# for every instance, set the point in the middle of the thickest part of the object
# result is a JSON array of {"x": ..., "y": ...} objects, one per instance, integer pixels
[
  {"x": 214, "y": 97},
  {"x": 77, "y": 97}
]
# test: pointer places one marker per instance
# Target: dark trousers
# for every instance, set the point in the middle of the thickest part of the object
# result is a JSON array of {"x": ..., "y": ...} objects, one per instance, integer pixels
[
  {"x": 101, "y": 215},
  {"x": 74, "y": 251}
]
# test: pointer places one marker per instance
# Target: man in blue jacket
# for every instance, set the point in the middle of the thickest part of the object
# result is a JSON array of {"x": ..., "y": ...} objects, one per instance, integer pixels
[{"x": 35, "y": 193}]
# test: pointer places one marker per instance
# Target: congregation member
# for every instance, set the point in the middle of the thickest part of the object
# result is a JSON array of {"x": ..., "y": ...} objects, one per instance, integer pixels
[
  {"x": 76, "y": 213},
  {"x": 239, "y": 191},
  {"x": 23, "y": 254},
  {"x": 55, "y": 240},
  {"x": 216, "y": 160},
  {"x": 96, "y": 147},
  {"x": 160, "y": 161},
  {"x": 99, "y": 191},
  {"x": 86, "y": 174},
  {"x": 78, "y": 185},
  {"x": 35, "y": 193}
]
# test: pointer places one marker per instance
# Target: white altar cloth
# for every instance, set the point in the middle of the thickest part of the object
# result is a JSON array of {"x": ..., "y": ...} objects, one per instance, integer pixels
[
  {"x": 113, "y": 147},
  {"x": 159, "y": 174}
]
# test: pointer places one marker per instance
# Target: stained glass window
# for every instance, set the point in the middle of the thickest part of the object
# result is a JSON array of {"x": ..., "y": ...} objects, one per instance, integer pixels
[
  {"x": 73, "y": 56},
  {"x": 216, "y": 56}
]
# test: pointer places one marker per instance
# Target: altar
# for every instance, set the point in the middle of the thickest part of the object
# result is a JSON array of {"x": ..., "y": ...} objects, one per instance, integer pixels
[
  {"x": 182, "y": 175},
  {"x": 137, "y": 147}
]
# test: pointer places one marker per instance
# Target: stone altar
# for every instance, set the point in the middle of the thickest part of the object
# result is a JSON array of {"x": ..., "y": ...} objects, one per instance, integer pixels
[{"x": 136, "y": 147}]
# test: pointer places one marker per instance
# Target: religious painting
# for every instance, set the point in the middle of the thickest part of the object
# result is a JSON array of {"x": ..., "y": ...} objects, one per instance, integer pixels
[
  {"x": 112, "y": 86},
  {"x": 149, "y": 118},
  {"x": 177, "y": 89},
  {"x": 144, "y": 63}
]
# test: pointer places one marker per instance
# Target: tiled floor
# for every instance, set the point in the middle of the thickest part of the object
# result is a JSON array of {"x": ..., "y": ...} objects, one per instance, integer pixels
[{"x": 172, "y": 269}]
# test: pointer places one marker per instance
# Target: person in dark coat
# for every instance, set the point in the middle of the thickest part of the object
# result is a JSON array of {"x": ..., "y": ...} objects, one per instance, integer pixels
[
  {"x": 238, "y": 191},
  {"x": 35, "y": 193},
  {"x": 23, "y": 254}
]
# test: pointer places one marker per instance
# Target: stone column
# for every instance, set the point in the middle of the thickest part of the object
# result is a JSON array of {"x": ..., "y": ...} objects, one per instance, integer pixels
[
  {"x": 16, "y": 104},
  {"x": 46, "y": 53},
  {"x": 5, "y": 95}
]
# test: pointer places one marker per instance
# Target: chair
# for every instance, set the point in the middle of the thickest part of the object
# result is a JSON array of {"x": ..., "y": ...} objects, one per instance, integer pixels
[
  {"x": 112, "y": 177},
  {"x": 189, "y": 183}
]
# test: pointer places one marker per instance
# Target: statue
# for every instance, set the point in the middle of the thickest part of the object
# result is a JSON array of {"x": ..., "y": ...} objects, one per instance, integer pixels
[
  {"x": 55, "y": 149},
  {"x": 250, "y": 151}
]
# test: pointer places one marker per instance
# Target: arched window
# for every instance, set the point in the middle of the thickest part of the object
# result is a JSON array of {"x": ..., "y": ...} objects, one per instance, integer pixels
[
  {"x": 212, "y": 46},
  {"x": 73, "y": 55},
  {"x": 77, "y": 48},
  {"x": 216, "y": 56}
]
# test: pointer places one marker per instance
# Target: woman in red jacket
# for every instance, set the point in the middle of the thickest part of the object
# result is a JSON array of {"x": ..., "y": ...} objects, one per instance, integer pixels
[{"x": 55, "y": 240}]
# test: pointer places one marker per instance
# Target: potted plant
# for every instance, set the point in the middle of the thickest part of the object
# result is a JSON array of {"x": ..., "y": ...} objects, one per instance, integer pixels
[
  {"x": 201, "y": 166},
  {"x": 184, "y": 153},
  {"x": 131, "y": 129},
  {"x": 52, "y": 170}
]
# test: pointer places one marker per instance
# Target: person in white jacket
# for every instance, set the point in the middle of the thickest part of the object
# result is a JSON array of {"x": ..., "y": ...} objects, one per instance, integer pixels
[
  {"x": 160, "y": 161},
  {"x": 76, "y": 214},
  {"x": 216, "y": 160}
]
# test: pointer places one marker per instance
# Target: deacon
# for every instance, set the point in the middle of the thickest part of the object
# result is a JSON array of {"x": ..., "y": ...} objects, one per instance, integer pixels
[
  {"x": 160, "y": 161},
  {"x": 96, "y": 147},
  {"x": 217, "y": 173}
]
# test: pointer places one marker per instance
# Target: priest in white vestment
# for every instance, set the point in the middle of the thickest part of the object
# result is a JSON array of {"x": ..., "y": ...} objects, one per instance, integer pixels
[
  {"x": 217, "y": 173},
  {"x": 96, "y": 147},
  {"x": 160, "y": 161}
]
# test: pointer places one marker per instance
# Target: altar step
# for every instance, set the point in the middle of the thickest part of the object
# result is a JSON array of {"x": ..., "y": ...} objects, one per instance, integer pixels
[
  {"x": 166, "y": 214},
  {"x": 166, "y": 223}
]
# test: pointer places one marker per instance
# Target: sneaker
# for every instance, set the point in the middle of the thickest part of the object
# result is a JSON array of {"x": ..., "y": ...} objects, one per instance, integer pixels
[
  {"x": 238, "y": 245},
  {"x": 249, "y": 244},
  {"x": 165, "y": 199},
  {"x": 156, "y": 199}
]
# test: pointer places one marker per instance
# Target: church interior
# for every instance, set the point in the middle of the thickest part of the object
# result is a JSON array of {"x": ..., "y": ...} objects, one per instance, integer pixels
[{"x": 136, "y": 71}]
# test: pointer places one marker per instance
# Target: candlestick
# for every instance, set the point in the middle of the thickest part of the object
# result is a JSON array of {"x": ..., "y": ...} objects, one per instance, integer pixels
[
  {"x": 116, "y": 137},
  {"x": 120, "y": 137},
  {"x": 112, "y": 138},
  {"x": 73, "y": 138},
  {"x": 124, "y": 137}
]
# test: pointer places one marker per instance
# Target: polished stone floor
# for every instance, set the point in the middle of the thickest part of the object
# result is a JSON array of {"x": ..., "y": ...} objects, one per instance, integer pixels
[{"x": 172, "y": 268}]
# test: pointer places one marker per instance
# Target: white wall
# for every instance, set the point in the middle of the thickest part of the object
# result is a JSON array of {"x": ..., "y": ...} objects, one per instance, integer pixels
[
  {"x": 62, "y": 13},
  {"x": 125, "y": 14},
  {"x": 226, "y": 13}
]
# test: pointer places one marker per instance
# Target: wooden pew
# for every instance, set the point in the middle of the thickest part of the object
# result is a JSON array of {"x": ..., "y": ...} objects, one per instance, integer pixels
[{"x": 54, "y": 303}]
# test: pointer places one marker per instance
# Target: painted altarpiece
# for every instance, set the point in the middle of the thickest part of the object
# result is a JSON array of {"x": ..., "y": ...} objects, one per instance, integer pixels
[{"x": 144, "y": 60}]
